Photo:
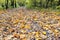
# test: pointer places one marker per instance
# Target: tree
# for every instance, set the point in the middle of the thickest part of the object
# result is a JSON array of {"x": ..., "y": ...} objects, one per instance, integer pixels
[
  {"x": 6, "y": 4},
  {"x": 12, "y": 3},
  {"x": 15, "y": 3},
  {"x": 58, "y": 2}
]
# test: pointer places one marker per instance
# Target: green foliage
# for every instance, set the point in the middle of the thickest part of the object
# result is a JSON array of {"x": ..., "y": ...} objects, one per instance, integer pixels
[
  {"x": 1, "y": 7},
  {"x": 57, "y": 7},
  {"x": 21, "y": 2},
  {"x": 30, "y": 4}
]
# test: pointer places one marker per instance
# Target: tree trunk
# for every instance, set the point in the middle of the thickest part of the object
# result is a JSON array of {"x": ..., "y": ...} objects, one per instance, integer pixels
[
  {"x": 12, "y": 3},
  {"x": 15, "y": 4},
  {"x": 6, "y": 3},
  {"x": 59, "y": 3}
]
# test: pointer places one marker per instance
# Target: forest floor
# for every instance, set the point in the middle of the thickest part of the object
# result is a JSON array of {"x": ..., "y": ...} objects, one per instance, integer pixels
[{"x": 25, "y": 24}]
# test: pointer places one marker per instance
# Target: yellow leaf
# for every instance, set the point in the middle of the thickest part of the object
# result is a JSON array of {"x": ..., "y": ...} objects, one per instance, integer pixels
[
  {"x": 24, "y": 39},
  {"x": 44, "y": 32},
  {"x": 22, "y": 35},
  {"x": 22, "y": 25},
  {"x": 37, "y": 34},
  {"x": 35, "y": 19},
  {"x": 16, "y": 35},
  {"x": 27, "y": 27},
  {"x": 15, "y": 21},
  {"x": 2, "y": 20},
  {"x": 23, "y": 21},
  {"x": 38, "y": 39},
  {"x": 23, "y": 31},
  {"x": 56, "y": 31},
  {"x": 45, "y": 28}
]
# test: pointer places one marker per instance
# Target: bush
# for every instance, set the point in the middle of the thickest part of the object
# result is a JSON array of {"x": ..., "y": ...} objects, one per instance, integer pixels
[
  {"x": 57, "y": 7},
  {"x": 1, "y": 7},
  {"x": 31, "y": 3}
]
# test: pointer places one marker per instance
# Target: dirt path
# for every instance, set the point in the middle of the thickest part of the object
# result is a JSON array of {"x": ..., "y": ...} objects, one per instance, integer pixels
[{"x": 23, "y": 24}]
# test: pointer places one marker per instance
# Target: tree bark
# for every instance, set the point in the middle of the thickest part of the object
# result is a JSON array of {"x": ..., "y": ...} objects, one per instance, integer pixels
[
  {"x": 12, "y": 3},
  {"x": 6, "y": 3}
]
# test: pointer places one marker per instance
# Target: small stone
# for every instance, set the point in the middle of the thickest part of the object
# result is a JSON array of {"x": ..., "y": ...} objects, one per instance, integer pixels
[
  {"x": 5, "y": 38},
  {"x": 9, "y": 37},
  {"x": 43, "y": 36}
]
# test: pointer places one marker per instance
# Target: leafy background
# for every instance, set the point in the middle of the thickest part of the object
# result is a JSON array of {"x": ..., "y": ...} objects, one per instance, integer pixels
[{"x": 31, "y": 4}]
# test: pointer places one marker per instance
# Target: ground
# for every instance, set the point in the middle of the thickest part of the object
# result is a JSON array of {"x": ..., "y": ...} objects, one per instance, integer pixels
[{"x": 26, "y": 24}]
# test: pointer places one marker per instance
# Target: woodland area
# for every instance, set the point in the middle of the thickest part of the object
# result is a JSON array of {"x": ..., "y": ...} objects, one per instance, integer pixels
[{"x": 5, "y": 4}]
